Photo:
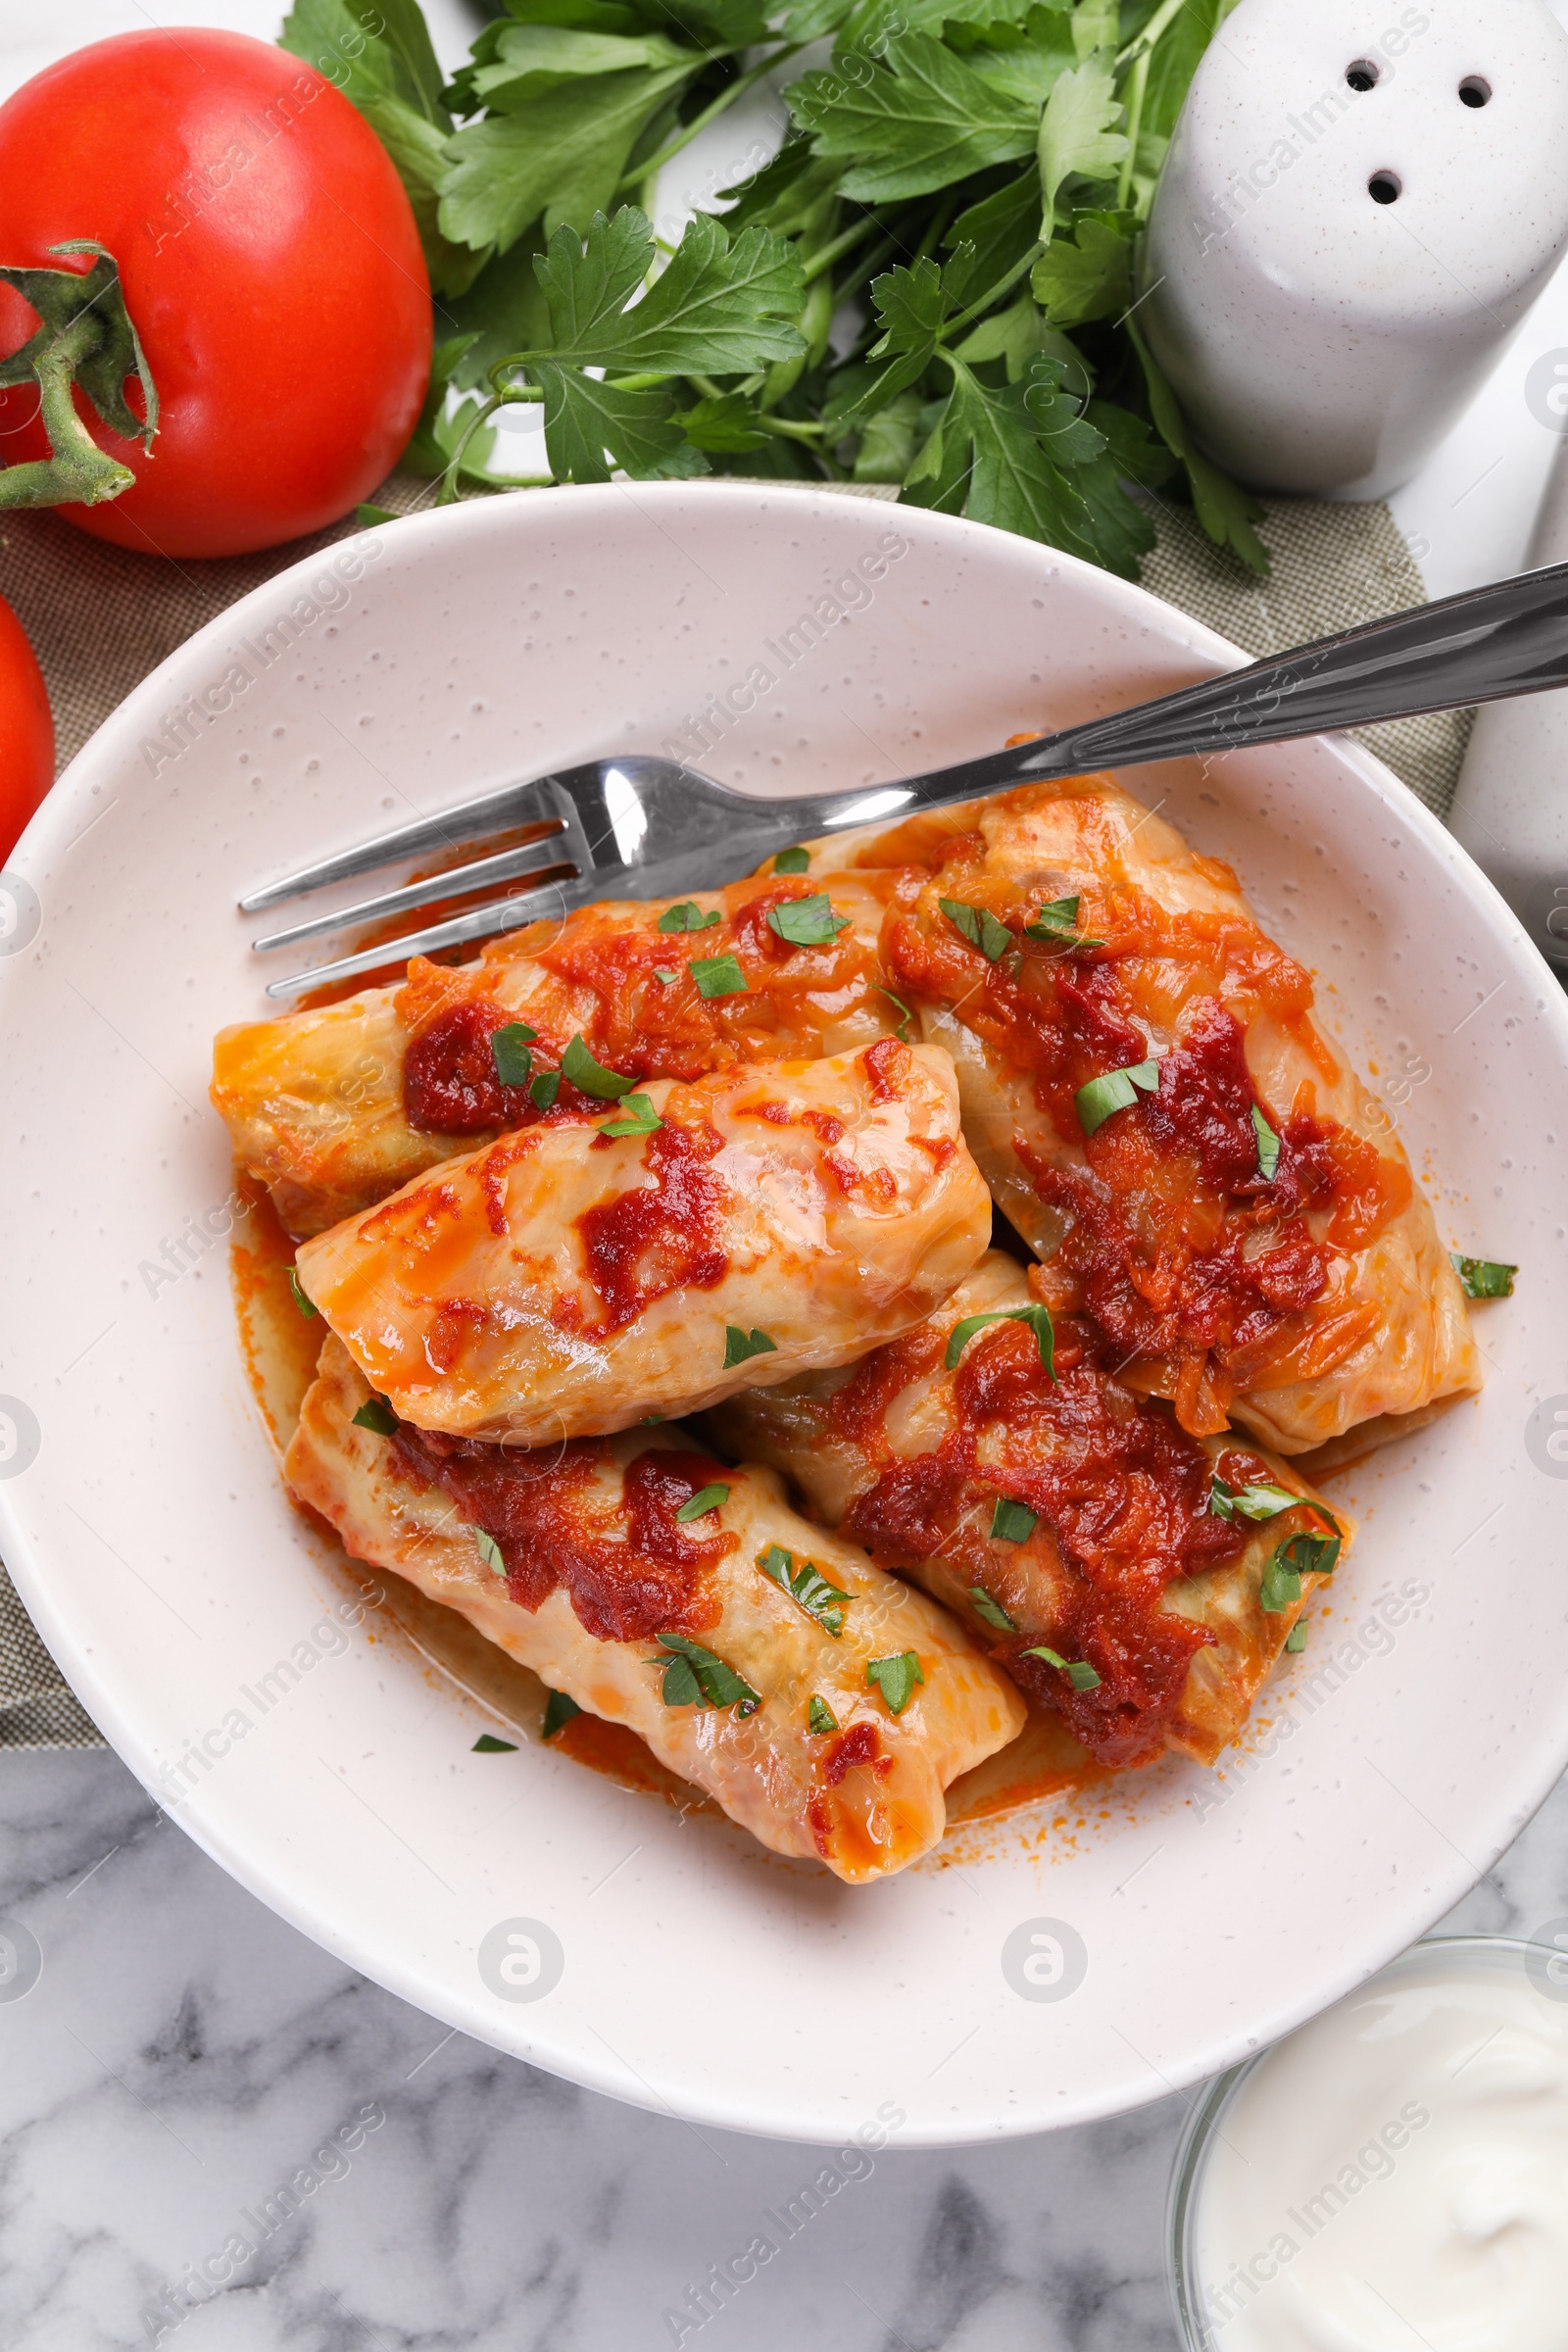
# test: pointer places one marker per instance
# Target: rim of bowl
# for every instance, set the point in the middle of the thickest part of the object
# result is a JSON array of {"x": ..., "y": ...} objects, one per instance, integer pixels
[{"x": 1193, "y": 2330}]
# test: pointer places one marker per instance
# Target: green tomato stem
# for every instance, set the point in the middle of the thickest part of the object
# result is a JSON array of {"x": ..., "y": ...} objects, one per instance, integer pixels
[{"x": 77, "y": 472}]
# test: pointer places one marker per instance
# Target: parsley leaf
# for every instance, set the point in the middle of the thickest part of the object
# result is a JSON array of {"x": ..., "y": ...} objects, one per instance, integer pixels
[
  {"x": 807, "y": 922},
  {"x": 639, "y": 1117},
  {"x": 560, "y": 154},
  {"x": 662, "y": 972},
  {"x": 807, "y": 1587},
  {"x": 1297, "y": 1556},
  {"x": 1078, "y": 1671},
  {"x": 920, "y": 121},
  {"x": 376, "y": 1414},
  {"x": 902, "y": 1029},
  {"x": 793, "y": 862},
  {"x": 1036, "y": 1317},
  {"x": 1096, "y": 1100},
  {"x": 487, "y": 1744},
  {"x": 1268, "y": 1146},
  {"x": 1296, "y": 1638},
  {"x": 559, "y": 1712},
  {"x": 980, "y": 927},
  {"x": 509, "y": 1050},
  {"x": 1075, "y": 131},
  {"x": 1087, "y": 277},
  {"x": 1226, "y": 511},
  {"x": 489, "y": 1552},
  {"x": 717, "y": 976},
  {"x": 688, "y": 916},
  {"x": 740, "y": 1345},
  {"x": 1058, "y": 922},
  {"x": 544, "y": 1087},
  {"x": 1483, "y": 1277},
  {"x": 307, "y": 1306},
  {"x": 1262, "y": 1500},
  {"x": 896, "y": 1677},
  {"x": 695, "y": 1677},
  {"x": 992, "y": 1611},
  {"x": 698, "y": 1506},
  {"x": 1012, "y": 1522},
  {"x": 820, "y": 1718},
  {"x": 590, "y": 1077}
]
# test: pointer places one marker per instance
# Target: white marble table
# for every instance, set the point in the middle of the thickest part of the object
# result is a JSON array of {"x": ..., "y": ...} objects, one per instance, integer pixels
[{"x": 184, "y": 2057}]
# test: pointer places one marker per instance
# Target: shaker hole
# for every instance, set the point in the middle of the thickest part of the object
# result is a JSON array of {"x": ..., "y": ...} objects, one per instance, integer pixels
[
  {"x": 1384, "y": 187},
  {"x": 1473, "y": 91},
  {"x": 1364, "y": 76}
]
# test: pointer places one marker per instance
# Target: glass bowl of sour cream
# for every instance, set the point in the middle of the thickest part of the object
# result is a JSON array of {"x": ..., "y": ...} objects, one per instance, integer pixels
[{"x": 1393, "y": 2176}]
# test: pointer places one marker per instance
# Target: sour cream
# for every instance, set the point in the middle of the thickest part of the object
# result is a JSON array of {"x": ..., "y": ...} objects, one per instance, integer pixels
[{"x": 1395, "y": 2176}]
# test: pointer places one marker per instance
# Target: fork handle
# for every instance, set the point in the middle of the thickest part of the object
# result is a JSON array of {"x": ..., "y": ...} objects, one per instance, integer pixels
[{"x": 1507, "y": 638}]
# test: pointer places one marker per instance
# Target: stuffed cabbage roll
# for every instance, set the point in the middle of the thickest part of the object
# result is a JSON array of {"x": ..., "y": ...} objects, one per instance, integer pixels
[
  {"x": 823, "y": 1705},
  {"x": 581, "y": 1275},
  {"x": 1158, "y": 1109},
  {"x": 334, "y": 1108},
  {"x": 1138, "y": 1580}
]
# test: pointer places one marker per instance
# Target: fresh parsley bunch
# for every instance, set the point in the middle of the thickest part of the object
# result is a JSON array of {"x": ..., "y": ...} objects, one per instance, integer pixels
[{"x": 931, "y": 286}]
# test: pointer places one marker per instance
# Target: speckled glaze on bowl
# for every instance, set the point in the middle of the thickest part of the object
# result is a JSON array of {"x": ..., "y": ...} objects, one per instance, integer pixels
[{"x": 140, "y": 1509}]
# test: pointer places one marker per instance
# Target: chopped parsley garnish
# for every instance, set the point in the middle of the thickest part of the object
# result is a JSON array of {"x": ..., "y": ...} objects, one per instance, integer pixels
[
  {"x": 1261, "y": 1500},
  {"x": 741, "y": 1346},
  {"x": 1057, "y": 922},
  {"x": 698, "y": 1506},
  {"x": 695, "y": 1678},
  {"x": 980, "y": 927},
  {"x": 375, "y": 1413},
  {"x": 717, "y": 976},
  {"x": 688, "y": 916},
  {"x": 509, "y": 1050},
  {"x": 992, "y": 1611},
  {"x": 1038, "y": 1320},
  {"x": 1012, "y": 1522},
  {"x": 807, "y": 1587},
  {"x": 544, "y": 1087},
  {"x": 307, "y": 1306},
  {"x": 807, "y": 922},
  {"x": 487, "y": 1744},
  {"x": 820, "y": 1718},
  {"x": 591, "y": 1077},
  {"x": 1483, "y": 1277},
  {"x": 559, "y": 1712},
  {"x": 1078, "y": 1671},
  {"x": 1113, "y": 1092},
  {"x": 1296, "y": 1638},
  {"x": 902, "y": 1029},
  {"x": 1268, "y": 1146},
  {"x": 896, "y": 1677},
  {"x": 637, "y": 1117},
  {"x": 1296, "y": 1557},
  {"x": 793, "y": 862},
  {"x": 489, "y": 1552},
  {"x": 662, "y": 971}
]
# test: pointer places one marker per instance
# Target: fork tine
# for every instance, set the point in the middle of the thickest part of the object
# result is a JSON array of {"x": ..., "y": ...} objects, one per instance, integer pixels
[
  {"x": 501, "y": 914},
  {"x": 508, "y": 866},
  {"x": 542, "y": 798}
]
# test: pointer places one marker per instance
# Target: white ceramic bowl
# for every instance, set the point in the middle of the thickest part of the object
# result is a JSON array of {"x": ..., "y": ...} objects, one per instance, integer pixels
[{"x": 140, "y": 1508}]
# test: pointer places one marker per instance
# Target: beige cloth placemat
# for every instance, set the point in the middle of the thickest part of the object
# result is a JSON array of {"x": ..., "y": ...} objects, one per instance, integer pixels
[{"x": 100, "y": 618}]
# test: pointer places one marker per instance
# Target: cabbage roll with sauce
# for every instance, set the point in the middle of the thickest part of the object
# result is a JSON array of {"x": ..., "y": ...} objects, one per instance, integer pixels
[
  {"x": 739, "y": 1643},
  {"x": 581, "y": 1275},
  {"x": 1056, "y": 1511},
  {"x": 1158, "y": 1109},
  {"x": 335, "y": 1107}
]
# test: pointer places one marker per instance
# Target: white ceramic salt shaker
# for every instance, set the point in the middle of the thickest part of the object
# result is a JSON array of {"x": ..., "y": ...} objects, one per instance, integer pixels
[
  {"x": 1511, "y": 806},
  {"x": 1360, "y": 202}
]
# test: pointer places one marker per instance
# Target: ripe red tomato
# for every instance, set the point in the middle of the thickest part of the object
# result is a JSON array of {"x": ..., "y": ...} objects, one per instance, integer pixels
[
  {"x": 26, "y": 733},
  {"x": 271, "y": 264}
]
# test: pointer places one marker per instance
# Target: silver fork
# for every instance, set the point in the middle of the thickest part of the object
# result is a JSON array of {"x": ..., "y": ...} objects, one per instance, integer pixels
[{"x": 640, "y": 827}]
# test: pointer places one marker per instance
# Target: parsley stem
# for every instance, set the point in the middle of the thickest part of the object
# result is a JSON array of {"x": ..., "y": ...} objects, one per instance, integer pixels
[
  {"x": 937, "y": 226},
  {"x": 1135, "y": 118},
  {"x": 844, "y": 242},
  {"x": 644, "y": 170},
  {"x": 994, "y": 294},
  {"x": 1152, "y": 30},
  {"x": 448, "y": 495},
  {"x": 769, "y": 424}
]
